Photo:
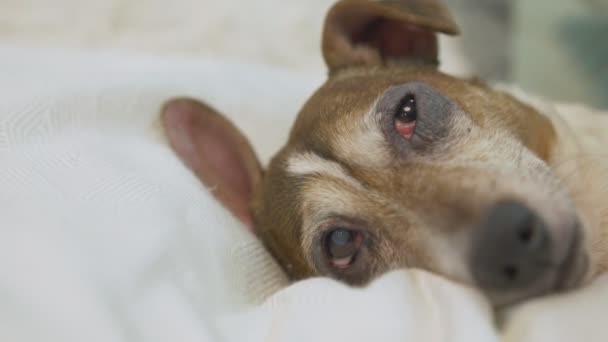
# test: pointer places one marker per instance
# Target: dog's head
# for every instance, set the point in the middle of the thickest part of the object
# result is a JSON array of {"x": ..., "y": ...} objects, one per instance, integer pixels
[{"x": 394, "y": 164}]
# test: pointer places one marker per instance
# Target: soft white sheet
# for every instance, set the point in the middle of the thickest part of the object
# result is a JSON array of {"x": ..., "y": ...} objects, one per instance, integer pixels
[{"x": 107, "y": 237}]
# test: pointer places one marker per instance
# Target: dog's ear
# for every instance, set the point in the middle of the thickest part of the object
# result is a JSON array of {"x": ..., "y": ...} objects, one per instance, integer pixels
[
  {"x": 370, "y": 33},
  {"x": 216, "y": 151}
]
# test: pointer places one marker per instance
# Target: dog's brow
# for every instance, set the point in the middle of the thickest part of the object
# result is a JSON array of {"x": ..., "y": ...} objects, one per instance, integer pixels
[
  {"x": 361, "y": 141},
  {"x": 308, "y": 163}
]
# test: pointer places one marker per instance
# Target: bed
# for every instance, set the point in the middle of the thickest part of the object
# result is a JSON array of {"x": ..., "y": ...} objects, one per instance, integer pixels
[{"x": 106, "y": 236}]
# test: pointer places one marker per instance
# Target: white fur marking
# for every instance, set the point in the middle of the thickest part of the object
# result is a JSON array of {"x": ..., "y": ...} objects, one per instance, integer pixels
[{"x": 308, "y": 163}]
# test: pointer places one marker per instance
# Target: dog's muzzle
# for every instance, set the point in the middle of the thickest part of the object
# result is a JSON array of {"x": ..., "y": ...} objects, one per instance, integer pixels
[{"x": 513, "y": 255}]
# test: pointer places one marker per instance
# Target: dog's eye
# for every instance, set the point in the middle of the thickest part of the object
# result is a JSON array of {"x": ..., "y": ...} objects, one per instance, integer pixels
[
  {"x": 406, "y": 116},
  {"x": 342, "y": 246}
]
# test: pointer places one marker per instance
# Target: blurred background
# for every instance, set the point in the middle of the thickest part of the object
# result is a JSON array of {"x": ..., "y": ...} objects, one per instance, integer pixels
[{"x": 554, "y": 48}]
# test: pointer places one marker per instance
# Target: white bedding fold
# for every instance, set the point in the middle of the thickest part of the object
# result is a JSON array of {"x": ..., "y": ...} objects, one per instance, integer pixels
[{"x": 107, "y": 237}]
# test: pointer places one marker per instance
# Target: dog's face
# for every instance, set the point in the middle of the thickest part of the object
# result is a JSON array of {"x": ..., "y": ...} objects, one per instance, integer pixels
[
  {"x": 393, "y": 164},
  {"x": 411, "y": 168}
]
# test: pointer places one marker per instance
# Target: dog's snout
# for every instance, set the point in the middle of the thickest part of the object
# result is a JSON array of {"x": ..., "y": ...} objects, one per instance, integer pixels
[{"x": 511, "y": 248}]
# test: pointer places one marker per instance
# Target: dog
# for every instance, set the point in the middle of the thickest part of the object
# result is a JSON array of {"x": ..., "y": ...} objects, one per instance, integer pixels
[{"x": 394, "y": 164}]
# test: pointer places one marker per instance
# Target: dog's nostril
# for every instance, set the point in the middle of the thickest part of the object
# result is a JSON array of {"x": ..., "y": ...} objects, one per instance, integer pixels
[
  {"x": 526, "y": 233},
  {"x": 510, "y": 272}
]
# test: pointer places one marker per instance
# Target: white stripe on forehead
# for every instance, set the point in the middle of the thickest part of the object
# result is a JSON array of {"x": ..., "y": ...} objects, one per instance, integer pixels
[{"x": 309, "y": 163}]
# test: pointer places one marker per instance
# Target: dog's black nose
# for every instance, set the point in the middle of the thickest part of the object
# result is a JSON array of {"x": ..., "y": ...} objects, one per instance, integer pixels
[{"x": 511, "y": 248}]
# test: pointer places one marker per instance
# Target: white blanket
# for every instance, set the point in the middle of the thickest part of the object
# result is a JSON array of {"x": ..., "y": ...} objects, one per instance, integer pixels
[{"x": 107, "y": 237}]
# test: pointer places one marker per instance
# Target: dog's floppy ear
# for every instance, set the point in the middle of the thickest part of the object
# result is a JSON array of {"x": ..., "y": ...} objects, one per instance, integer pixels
[
  {"x": 216, "y": 151},
  {"x": 365, "y": 32}
]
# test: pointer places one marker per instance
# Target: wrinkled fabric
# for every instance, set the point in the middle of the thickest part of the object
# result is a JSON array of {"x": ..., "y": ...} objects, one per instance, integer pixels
[{"x": 106, "y": 236}]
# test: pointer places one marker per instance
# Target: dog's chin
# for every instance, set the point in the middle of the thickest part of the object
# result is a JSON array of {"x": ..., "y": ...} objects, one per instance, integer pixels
[{"x": 568, "y": 275}]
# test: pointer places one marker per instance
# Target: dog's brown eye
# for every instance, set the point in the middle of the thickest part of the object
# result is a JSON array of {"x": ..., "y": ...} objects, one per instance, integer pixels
[
  {"x": 342, "y": 246},
  {"x": 406, "y": 116}
]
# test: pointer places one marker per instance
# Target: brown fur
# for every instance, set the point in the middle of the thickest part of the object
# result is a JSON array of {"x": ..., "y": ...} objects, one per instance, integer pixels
[
  {"x": 278, "y": 206},
  {"x": 419, "y": 209}
]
